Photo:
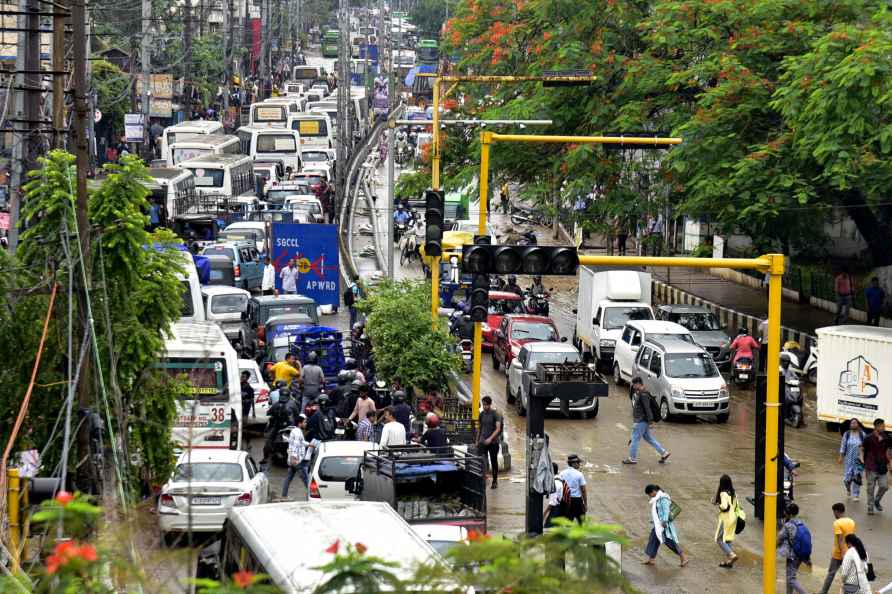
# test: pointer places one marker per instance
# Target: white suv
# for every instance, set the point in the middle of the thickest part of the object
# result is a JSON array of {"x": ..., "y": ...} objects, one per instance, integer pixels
[{"x": 637, "y": 332}]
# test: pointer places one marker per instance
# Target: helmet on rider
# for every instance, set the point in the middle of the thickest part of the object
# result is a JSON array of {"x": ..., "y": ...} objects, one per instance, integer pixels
[
  {"x": 350, "y": 363},
  {"x": 742, "y": 331},
  {"x": 399, "y": 396},
  {"x": 345, "y": 377},
  {"x": 432, "y": 420},
  {"x": 785, "y": 359},
  {"x": 323, "y": 399},
  {"x": 537, "y": 279},
  {"x": 312, "y": 356}
]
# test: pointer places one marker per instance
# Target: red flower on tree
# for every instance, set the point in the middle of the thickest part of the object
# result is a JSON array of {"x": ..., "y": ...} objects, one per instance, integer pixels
[
  {"x": 67, "y": 551},
  {"x": 361, "y": 548},
  {"x": 63, "y": 498},
  {"x": 333, "y": 549},
  {"x": 243, "y": 579}
]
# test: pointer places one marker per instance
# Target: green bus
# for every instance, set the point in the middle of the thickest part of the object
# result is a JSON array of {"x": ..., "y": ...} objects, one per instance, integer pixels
[
  {"x": 428, "y": 51},
  {"x": 330, "y": 44}
]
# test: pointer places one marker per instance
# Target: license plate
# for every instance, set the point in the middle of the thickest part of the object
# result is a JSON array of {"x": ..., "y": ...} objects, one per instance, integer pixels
[
  {"x": 744, "y": 376},
  {"x": 702, "y": 405},
  {"x": 339, "y": 431},
  {"x": 205, "y": 501}
]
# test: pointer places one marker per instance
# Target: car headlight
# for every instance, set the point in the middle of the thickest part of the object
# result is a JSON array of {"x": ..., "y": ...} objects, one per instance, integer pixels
[
  {"x": 677, "y": 393},
  {"x": 606, "y": 342},
  {"x": 723, "y": 391}
]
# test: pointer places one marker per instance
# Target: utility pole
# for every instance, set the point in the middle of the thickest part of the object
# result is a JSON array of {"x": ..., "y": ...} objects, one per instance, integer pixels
[
  {"x": 58, "y": 77},
  {"x": 187, "y": 60},
  {"x": 264, "y": 45},
  {"x": 145, "y": 57},
  {"x": 344, "y": 137},
  {"x": 391, "y": 133},
  {"x": 227, "y": 54}
]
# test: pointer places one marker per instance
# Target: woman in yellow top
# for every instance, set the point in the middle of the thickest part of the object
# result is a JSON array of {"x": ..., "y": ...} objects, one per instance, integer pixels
[{"x": 727, "y": 527}]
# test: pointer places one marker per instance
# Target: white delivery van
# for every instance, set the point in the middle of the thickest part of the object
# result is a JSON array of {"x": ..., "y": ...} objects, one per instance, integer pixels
[
  {"x": 314, "y": 130},
  {"x": 171, "y": 133},
  {"x": 606, "y": 301},
  {"x": 225, "y": 176},
  {"x": 193, "y": 307},
  {"x": 189, "y": 146},
  {"x": 854, "y": 363},
  {"x": 267, "y": 144},
  {"x": 261, "y": 539}
]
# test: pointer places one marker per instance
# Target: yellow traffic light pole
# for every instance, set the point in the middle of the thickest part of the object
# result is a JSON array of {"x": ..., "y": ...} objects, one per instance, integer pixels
[{"x": 773, "y": 264}]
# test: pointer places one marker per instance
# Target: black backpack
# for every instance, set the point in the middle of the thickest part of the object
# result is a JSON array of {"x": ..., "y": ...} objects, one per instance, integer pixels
[
  {"x": 349, "y": 298},
  {"x": 651, "y": 402}
]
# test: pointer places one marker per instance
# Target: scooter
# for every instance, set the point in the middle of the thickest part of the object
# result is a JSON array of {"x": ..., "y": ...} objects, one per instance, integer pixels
[
  {"x": 742, "y": 371},
  {"x": 794, "y": 403},
  {"x": 790, "y": 472},
  {"x": 528, "y": 238},
  {"x": 803, "y": 362},
  {"x": 467, "y": 353}
]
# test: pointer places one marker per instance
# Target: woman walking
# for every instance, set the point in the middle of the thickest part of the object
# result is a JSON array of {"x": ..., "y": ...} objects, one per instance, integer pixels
[
  {"x": 726, "y": 499},
  {"x": 663, "y": 531},
  {"x": 854, "y": 567},
  {"x": 849, "y": 456}
]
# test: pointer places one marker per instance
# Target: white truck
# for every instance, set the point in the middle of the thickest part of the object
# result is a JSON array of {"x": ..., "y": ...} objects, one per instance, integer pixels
[
  {"x": 854, "y": 362},
  {"x": 607, "y": 300}
]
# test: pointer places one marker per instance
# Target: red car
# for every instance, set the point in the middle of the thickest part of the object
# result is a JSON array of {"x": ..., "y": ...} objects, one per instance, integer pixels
[
  {"x": 517, "y": 330},
  {"x": 500, "y": 303}
]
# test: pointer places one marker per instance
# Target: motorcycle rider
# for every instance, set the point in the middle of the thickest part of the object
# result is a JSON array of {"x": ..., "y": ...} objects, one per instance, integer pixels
[
  {"x": 540, "y": 304},
  {"x": 281, "y": 415},
  {"x": 401, "y": 216},
  {"x": 790, "y": 400},
  {"x": 743, "y": 346},
  {"x": 537, "y": 288},
  {"x": 312, "y": 378},
  {"x": 512, "y": 285},
  {"x": 402, "y": 412},
  {"x": 323, "y": 421}
]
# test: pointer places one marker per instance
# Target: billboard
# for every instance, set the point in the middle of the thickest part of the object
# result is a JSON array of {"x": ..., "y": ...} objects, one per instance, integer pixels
[{"x": 316, "y": 249}]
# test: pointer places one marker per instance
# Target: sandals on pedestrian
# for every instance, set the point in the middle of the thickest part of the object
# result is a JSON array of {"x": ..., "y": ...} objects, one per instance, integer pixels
[
  {"x": 684, "y": 562},
  {"x": 665, "y": 457}
]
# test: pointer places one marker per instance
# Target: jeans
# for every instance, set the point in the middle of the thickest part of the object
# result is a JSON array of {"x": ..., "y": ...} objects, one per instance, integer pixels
[
  {"x": 831, "y": 573},
  {"x": 843, "y": 305},
  {"x": 877, "y": 485},
  {"x": 793, "y": 584},
  {"x": 852, "y": 488},
  {"x": 873, "y": 317},
  {"x": 725, "y": 546},
  {"x": 352, "y": 315},
  {"x": 621, "y": 243},
  {"x": 292, "y": 470},
  {"x": 640, "y": 430},
  {"x": 653, "y": 545},
  {"x": 493, "y": 451}
]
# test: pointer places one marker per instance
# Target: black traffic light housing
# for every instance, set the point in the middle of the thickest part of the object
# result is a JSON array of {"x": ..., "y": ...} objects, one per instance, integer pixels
[
  {"x": 480, "y": 298},
  {"x": 520, "y": 259},
  {"x": 433, "y": 220}
]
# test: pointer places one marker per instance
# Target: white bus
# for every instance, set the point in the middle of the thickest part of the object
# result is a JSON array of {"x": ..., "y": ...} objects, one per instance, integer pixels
[
  {"x": 328, "y": 107},
  {"x": 209, "y": 416},
  {"x": 307, "y": 75},
  {"x": 295, "y": 104},
  {"x": 168, "y": 186},
  {"x": 191, "y": 127},
  {"x": 268, "y": 115},
  {"x": 314, "y": 130},
  {"x": 189, "y": 146},
  {"x": 226, "y": 176},
  {"x": 265, "y": 144}
]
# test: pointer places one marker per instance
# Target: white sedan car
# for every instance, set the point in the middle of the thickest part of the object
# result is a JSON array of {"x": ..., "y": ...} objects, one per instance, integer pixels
[
  {"x": 261, "y": 391},
  {"x": 206, "y": 483}
]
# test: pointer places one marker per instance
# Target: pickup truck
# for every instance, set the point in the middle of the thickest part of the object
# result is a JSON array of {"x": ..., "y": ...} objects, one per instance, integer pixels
[
  {"x": 606, "y": 301},
  {"x": 425, "y": 485}
]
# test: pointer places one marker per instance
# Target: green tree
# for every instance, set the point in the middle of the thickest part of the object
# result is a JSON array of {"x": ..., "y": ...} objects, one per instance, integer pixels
[
  {"x": 407, "y": 346},
  {"x": 113, "y": 91}
]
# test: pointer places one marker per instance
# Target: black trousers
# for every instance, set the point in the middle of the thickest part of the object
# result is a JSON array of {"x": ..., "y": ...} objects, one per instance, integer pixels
[
  {"x": 577, "y": 509},
  {"x": 493, "y": 451}
]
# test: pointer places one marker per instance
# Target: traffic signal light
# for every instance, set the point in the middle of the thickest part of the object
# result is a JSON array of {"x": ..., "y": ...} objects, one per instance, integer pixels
[
  {"x": 480, "y": 298},
  {"x": 433, "y": 220},
  {"x": 519, "y": 259}
]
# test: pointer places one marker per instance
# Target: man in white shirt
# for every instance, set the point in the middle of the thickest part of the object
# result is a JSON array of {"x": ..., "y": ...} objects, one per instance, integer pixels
[
  {"x": 576, "y": 483},
  {"x": 289, "y": 278},
  {"x": 268, "y": 285},
  {"x": 393, "y": 433},
  {"x": 297, "y": 450}
]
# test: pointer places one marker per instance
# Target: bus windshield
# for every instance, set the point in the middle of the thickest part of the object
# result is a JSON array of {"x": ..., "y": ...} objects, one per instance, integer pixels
[
  {"x": 207, "y": 178},
  {"x": 206, "y": 378}
]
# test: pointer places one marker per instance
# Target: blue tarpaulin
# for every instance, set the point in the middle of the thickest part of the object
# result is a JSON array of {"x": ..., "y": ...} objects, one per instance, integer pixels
[
  {"x": 421, "y": 68},
  {"x": 202, "y": 264}
]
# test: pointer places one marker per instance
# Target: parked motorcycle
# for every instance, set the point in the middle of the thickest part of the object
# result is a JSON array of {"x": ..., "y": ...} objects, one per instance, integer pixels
[
  {"x": 742, "y": 371},
  {"x": 803, "y": 361},
  {"x": 528, "y": 238}
]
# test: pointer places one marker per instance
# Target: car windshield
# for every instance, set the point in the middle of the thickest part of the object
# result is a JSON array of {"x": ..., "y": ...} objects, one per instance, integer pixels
[
  {"x": 222, "y": 304},
  {"x": 208, "y": 472},
  {"x": 278, "y": 196},
  {"x": 684, "y": 337},
  {"x": 616, "y": 317},
  {"x": 505, "y": 306},
  {"x": 558, "y": 357},
  {"x": 292, "y": 308},
  {"x": 240, "y": 235},
  {"x": 690, "y": 365},
  {"x": 219, "y": 251},
  {"x": 311, "y": 179},
  {"x": 696, "y": 322},
  {"x": 314, "y": 156},
  {"x": 532, "y": 331},
  {"x": 339, "y": 468},
  {"x": 310, "y": 207}
]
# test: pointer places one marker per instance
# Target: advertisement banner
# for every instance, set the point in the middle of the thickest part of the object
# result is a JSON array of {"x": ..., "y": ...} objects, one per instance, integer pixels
[
  {"x": 315, "y": 248},
  {"x": 133, "y": 128}
]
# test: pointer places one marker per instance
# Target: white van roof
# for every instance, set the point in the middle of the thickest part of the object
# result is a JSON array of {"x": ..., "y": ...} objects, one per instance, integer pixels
[
  {"x": 292, "y": 563},
  {"x": 210, "y": 140},
  {"x": 658, "y": 327},
  {"x": 875, "y": 333},
  {"x": 198, "y": 126},
  {"x": 215, "y": 161},
  {"x": 197, "y": 336}
]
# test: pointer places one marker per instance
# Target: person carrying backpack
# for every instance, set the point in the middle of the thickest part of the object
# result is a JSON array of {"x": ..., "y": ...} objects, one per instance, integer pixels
[
  {"x": 645, "y": 413},
  {"x": 558, "y": 500},
  {"x": 795, "y": 545}
]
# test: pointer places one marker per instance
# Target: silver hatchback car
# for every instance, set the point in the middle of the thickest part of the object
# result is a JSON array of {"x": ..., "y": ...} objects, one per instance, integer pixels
[{"x": 683, "y": 378}]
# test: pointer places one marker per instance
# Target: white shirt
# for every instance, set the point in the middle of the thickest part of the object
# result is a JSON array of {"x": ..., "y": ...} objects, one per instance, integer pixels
[
  {"x": 289, "y": 279},
  {"x": 269, "y": 278},
  {"x": 393, "y": 434},
  {"x": 574, "y": 480},
  {"x": 554, "y": 499}
]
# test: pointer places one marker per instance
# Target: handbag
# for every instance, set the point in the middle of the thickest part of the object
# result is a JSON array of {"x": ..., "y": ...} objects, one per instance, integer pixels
[
  {"x": 674, "y": 510},
  {"x": 871, "y": 574},
  {"x": 741, "y": 517}
]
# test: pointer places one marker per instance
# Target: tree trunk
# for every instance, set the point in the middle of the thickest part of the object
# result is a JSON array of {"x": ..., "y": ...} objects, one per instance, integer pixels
[{"x": 876, "y": 230}]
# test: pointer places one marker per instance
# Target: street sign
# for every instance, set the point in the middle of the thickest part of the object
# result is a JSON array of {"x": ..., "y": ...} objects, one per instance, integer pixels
[
  {"x": 316, "y": 249},
  {"x": 133, "y": 127}
]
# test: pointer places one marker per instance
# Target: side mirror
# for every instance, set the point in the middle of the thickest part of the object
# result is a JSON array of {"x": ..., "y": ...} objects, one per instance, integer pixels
[
  {"x": 635, "y": 348},
  {"x": 563, "y": 339},
  {"x": 594, "y": 321}
]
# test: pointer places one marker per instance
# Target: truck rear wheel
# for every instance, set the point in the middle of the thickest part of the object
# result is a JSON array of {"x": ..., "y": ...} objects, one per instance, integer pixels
[
  {"x": 495, "y": 361},
  {"x": 521, "y": 409},
  {"x": 509, "y": 397}
]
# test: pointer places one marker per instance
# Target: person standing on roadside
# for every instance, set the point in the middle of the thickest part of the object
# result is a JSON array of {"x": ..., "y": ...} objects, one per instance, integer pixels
[
  {"x": 503, "y": 195},
  {"x": 488, "y": 434},
  {"x": 351, "y": 294},
  {"x": 642, "y": 423},
  {"x": 392, "y": 433},
  {"x": 664, "y": 531},
  {"x": 575, "y": 481},
  {"x": 793, "y": 547},
  {"x": 289, "y": 278},
  {"x": 287, "y": 371},
  {"x": 877, "y": 456},
  {"x": 875, "y": 296},
  {"x": 268, "y": 284},
  {"x": 842, "y": 527},
  {"x": 726, "y": 499},
  {"x": 365, "y": 430},
  {"x": 850, "y": 458},
  {"x": 247, "y": 397},
  {"x": 844, "y": 286}
]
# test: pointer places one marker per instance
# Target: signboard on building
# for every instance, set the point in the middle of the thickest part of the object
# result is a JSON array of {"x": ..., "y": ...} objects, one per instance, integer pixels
[
  {"x": 133, "y": 127},
  {"x": 315, "y": 247},
  {"x": 160, "y": 94}
]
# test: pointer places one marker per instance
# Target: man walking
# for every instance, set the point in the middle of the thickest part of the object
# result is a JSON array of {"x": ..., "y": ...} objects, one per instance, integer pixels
[
  {"x": 663, "y": 531},
  {"x": 312, "y": 377},
  {"x": 488, "y": 433},
  {"x": 365, "y": 430},
  {"x": 351, "y": 294},
  {"x": 247, "y": 397},
  {"x": 795, "y": 544},
  {"x": 841, "y": 527},
  {"x": 287, "y": 371},
  {"x": 575, "y": 481},
  {"x": 642, "y": 423},
  {"x": 844, "y": 286},
  {"x": 875, "y": 296},
  {"x": 392, "y": 433},
  {"x": 289, "y": 278},
  {"x": 268, "y": 284},
  {"x": 297, "y": 451},
  {"x": 876, "y": 455}
]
